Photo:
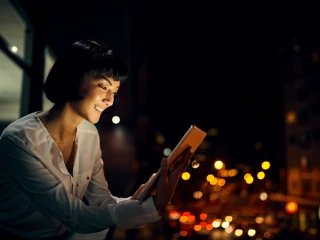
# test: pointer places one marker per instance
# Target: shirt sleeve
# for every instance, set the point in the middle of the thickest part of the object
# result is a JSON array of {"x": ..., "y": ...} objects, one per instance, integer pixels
[
  {"x": 98, "y": 194},
  {"x": 48, "y": 194}
]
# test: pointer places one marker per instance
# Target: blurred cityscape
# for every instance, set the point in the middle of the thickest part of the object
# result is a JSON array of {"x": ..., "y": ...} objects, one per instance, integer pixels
[
  {"x": 275, "y": 195},
  {"x": 217, "y": 199}
]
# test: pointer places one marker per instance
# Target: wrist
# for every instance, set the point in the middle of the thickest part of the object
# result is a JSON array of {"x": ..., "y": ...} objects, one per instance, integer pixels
[{"x": 159, "y": 207}]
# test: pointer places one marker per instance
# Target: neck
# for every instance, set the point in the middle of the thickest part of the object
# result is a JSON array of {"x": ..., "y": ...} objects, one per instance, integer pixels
[{"x": 61, "y": 122}]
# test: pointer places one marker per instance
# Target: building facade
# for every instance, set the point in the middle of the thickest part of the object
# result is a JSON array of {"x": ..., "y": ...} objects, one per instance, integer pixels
[{"x": 301, "y": 72}]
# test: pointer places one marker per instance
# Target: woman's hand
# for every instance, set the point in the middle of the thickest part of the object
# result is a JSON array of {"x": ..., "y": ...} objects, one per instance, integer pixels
[
  {"x": 168, "y": 180},
  {"x": 137, "y": 194}
]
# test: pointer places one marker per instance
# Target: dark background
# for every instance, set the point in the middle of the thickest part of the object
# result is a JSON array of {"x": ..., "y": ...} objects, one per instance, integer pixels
[{"x": 210, "y": 65}]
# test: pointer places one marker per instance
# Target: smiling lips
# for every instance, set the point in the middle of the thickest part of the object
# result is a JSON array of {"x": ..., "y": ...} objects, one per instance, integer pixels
[{"x": 98, "y": 108}]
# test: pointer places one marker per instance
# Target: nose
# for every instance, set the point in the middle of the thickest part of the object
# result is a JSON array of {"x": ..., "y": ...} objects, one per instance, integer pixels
[{"x": 108, "y": 99}]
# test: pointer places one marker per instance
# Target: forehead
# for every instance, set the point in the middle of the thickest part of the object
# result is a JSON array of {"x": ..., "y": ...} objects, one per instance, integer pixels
[{"x": 102, "y": 77}]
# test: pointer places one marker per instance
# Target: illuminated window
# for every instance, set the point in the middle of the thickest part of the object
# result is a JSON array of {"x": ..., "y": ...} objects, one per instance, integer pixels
[
  {"x": 13, "y": 31},
  {"x": 305, "y": 163},
  {"x": 291, "y": 117},
  {"x": 12, "y": 28},
  {"x": 10, "y": 89}
]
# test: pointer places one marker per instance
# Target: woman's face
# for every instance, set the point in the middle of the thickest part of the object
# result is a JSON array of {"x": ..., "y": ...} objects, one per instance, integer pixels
[{"x": 98, "y": 94}]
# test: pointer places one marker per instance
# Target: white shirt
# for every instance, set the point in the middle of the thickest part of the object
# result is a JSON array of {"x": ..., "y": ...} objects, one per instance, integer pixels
[{"x": 38, "y": 196}]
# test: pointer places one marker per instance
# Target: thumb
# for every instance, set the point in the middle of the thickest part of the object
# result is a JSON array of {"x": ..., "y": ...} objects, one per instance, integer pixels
[{"x": 152, "y": 177}]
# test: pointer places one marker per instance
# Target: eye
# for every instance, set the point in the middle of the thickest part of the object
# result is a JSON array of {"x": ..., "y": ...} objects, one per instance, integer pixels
[{"x": 103, "y": 87}]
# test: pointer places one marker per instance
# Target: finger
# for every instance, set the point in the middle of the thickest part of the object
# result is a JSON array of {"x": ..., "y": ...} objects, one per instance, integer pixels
[
  {"x": 185, "y": 152},
  {"x": 163, "y": 173},
  {"x": 173, "y": 182},
  {"x": 183, "y": 162},
  {"x": 138, "y": 192},
  {"x": 176, "y": 173},
  {"x": 142, "y": 187},
  {"x": 153, "y": 192},
  {"x": 186, "y": 164},
  {"x": 151, "y": 177},
  {"x": 174, "y": 179},
  {"x": 182, "y": 154}
]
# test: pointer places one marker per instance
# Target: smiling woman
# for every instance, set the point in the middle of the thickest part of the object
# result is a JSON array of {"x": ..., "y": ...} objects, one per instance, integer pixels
[
  {"x": 84, "y": 57},
  {"x": 51, "y": 161},
  {"x": 98, "y": 94}
]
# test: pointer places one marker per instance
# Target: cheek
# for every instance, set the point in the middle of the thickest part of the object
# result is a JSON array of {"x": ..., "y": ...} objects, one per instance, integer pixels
[
  {"x": 83, "y": 91},
  {"x": 85, "y": 87},
  {"x": 88, "y": 92}
]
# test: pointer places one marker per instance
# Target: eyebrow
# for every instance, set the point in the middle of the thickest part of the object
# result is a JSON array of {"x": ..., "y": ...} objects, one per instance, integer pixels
[{"x": 105, "y": 78}]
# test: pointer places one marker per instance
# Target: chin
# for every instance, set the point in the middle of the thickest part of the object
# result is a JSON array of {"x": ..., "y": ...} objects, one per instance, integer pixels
[
  {"x": 93, "y": 121},
  {"x": 93, "y": 117}
]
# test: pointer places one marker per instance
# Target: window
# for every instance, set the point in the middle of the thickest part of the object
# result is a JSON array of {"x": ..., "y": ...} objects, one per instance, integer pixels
[
  {"x": 10, "y": 89},
  {"x": 291, "y": 117},
  {"x": 12, "y": 28},
  {"x": 305, "y": 163},
  {"x": 13, "y": 31}
]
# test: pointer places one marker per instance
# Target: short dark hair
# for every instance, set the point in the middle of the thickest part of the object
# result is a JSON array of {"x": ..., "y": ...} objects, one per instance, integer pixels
[{"x": 84, "y": 56}]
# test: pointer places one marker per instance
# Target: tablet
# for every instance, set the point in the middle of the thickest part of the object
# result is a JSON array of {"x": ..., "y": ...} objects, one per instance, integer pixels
[{"x": 193, "y": 138}]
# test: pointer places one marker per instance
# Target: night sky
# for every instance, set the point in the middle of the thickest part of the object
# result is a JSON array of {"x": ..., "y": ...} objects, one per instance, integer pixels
[
  {"x": 209, "y": 65},
  {"x": 224, "y": 72}
]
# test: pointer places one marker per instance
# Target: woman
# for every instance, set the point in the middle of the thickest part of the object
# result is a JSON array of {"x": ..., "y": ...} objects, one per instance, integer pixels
[{"x": 51, "y": 161}]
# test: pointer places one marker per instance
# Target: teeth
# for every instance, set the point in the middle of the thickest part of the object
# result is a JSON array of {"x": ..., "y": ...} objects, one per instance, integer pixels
[{"x": 98, "y": 108}]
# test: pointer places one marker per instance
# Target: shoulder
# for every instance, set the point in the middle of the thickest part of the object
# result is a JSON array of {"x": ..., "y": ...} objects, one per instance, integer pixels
[{"x": 25, "y": 130}]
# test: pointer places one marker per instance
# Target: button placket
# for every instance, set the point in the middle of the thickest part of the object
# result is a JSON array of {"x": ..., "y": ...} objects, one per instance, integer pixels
[{"x": 61, "y": 163}]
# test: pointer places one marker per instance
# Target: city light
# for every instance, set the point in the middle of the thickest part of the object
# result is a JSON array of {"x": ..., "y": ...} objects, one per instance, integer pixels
[
  {"x": 14, "y": 49},
  {"x": 265, "y": 165},
  {"x": 218, "y": 164},
  {"x": 115, "y": 119},
  {"x": 185, "y": 176}
]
